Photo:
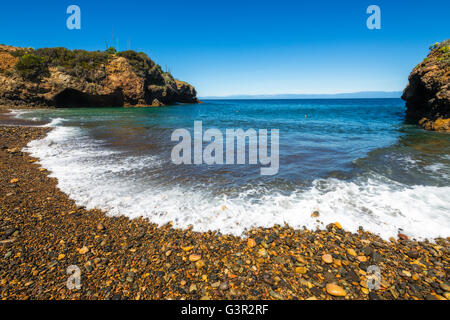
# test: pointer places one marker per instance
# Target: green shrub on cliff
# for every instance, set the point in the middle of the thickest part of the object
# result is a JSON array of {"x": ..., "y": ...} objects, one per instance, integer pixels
[
  {"x": 85, "y": 64},
  {"x": 31, "y": 66},
  {"x": 444, "y": 52},
  {"x": 68, "y": 59},
  {"x": 444, "y": 49},
  {"x": 440, "y": 52},
  {"x": 18, "y": 53},
  {"x": 434, "y": 46},
  {"x": 111, "y": 50},
  {"x": 78, "y": 63}
]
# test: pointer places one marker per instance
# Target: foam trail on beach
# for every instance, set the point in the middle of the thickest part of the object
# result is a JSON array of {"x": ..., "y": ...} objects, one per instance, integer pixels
[
  {"x": 96, "y": 177},
  {"x": 18, "y": 113},
  {"x": 54, "y": 123}
]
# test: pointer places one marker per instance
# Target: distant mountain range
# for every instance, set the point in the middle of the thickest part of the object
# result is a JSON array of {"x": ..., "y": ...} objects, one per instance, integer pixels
[{"x": 354, "y": 95}]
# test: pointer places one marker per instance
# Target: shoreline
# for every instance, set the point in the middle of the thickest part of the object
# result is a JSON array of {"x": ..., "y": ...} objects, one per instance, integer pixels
[
  {"x": 8, "y": 119},
  {"x": 42, "y": 232}
]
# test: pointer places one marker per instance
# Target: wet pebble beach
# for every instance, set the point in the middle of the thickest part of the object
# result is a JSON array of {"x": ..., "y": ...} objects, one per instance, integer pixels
[{"x": 43, "y": 233}]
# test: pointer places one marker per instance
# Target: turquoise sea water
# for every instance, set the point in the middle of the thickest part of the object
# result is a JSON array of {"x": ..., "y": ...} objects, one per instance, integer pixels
[{"x": 356, "y": 161}]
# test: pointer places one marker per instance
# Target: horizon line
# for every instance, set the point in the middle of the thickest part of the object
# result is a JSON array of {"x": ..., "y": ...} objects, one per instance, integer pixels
[{"x": 356, "y": 94}]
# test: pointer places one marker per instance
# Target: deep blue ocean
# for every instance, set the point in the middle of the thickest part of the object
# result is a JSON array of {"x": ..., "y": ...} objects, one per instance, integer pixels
[{"x": 355, "y": 161}]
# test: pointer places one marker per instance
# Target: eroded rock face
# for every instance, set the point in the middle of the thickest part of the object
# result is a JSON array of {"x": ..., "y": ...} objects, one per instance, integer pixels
[
  {"x": 57, "y": 77},
  {"x": 427, "y": 95}
]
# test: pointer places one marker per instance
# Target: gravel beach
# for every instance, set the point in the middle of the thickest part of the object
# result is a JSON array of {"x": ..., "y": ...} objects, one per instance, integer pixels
[{"x": 43, "y": 232}]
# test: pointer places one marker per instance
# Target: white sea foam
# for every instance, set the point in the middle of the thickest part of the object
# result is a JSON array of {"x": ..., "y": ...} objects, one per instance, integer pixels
[
  {"x": 55, "y": 122},
  {"x": 17, "y": 113},
  {"x": 98, "y": 178}
]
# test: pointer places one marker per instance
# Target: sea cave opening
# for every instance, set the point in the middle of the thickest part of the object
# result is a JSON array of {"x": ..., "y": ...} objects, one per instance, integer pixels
[{"x": 72, "y": 98}]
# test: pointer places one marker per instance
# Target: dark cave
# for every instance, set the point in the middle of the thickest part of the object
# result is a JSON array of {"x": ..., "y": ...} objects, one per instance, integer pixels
[{"x": 71, "y": 98}]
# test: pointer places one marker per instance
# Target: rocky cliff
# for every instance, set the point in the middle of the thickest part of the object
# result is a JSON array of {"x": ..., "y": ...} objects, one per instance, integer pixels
[
  {"x": 57, "y": 77},
  {"x": 427, "y": 95}
]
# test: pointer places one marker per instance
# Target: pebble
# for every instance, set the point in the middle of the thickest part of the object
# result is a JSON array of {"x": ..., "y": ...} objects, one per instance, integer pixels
[
  {"x": 361, "y": 258},
  {"x": 275, "y": 295},
  {"x": 393, "y": 292},
  {"x": 376, "y": 257},
  {"x": 351, "y": 252},
  {"x": 223, "y": 286},
  {"x": 445, "y": 286},
  {"x": 335, "y": 290},
  {"x": 194, "y": 257},
  {"x": 7, "y": 241},
  {"x": 192, "y": 288},
  {"x": 406, "y": 273},
  {"x": 83, "y": 250},
  {"x": 263, "y": 253},
  {"x": 413, "y": 254},
  {"x": 301, "y": 260},
  {"x": 329, "y": 277},
  {"x": 200, "y": 264},
  {"x": 368, "y": 251},
  {"x": 100, "y": 227},
  {"x": 301, "y": 270},
  {"x": 315, "y": 214},
  {"x": 9, "y": 232},
  {"x": 402, "y": 236},
  {"x": 251, "y": 243},
  {"x": 13, "y": 150},
  {"x": 327, "y": 258}
]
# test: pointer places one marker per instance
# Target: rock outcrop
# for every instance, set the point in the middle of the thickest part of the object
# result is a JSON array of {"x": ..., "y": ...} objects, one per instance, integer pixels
[
  {"x": 427, "y": 95},
  {"x": 57, "y": 77}
]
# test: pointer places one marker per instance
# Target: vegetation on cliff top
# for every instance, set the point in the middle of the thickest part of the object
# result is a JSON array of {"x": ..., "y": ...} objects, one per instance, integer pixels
[
  {"x": 442, "y": 52},
  {"x": 31, "y": 66},
  {"x": 35, "y": 64}
]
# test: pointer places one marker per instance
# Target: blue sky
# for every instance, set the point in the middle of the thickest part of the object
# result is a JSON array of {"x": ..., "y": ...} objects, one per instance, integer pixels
[{"x": 247, "y": 47}]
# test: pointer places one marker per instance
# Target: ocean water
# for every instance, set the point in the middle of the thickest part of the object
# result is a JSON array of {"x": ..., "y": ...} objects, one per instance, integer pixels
[{"x": 355, "y": 161}]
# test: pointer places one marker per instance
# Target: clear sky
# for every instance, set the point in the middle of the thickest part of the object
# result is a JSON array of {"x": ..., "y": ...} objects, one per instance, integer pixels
[{"x": 226, "y": 47}]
